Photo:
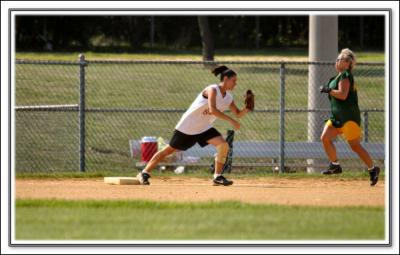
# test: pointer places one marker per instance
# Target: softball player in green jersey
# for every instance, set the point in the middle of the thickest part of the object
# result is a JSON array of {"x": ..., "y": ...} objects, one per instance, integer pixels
[{"x": 345, "y": 117}]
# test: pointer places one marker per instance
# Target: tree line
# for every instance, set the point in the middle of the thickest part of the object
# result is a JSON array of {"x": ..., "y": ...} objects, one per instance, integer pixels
[{"x": 138, "y": 33}]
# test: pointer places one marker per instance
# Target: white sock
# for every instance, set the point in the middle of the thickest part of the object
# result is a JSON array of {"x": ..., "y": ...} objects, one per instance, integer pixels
[
  {"x": 370, "y": 169},
  {"x": 336, "y": 163},
  {"x": 216, "y": 175},
  {"x": 144, "y": 171}
]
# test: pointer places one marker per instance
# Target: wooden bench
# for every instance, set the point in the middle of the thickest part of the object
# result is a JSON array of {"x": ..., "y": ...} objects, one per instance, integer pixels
[{"x": 271, "y": 150}]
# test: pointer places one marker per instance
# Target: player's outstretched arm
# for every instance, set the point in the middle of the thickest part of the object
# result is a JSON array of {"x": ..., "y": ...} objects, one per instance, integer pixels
[
  {"x": 236, "y": 111},
  {"x": 212, "y": 108}
]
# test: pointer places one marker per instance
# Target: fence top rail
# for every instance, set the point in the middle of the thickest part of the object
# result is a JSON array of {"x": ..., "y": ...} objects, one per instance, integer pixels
[
  {"x": 46, "y": 62},
  {"x": 72, "y": 107},
  {"x": 55, "y": 62},
  {"x": 65, "y": 107}
]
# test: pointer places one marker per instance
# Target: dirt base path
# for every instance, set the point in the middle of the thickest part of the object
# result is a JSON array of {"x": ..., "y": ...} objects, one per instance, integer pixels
[{"x": 329, "y": 192}]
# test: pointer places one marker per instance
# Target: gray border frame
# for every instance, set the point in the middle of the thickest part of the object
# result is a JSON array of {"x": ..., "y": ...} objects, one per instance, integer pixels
[{"x": 389, "y": 171}]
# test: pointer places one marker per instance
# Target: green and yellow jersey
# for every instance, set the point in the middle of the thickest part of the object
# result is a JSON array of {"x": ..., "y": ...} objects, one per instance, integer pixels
[{"x": 344, "y": 110}]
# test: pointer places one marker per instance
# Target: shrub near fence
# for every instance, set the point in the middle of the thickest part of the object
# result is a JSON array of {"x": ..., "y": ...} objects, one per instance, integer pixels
[{"x": 126, "y": 100}]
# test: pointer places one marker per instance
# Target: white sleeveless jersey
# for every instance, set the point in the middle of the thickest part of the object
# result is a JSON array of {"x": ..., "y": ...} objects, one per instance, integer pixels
[{"x": 196, "y": 119}]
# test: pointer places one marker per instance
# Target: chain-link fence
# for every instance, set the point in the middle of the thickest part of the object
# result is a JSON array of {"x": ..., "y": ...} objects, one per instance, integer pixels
[{"x": 91, "y": 115}]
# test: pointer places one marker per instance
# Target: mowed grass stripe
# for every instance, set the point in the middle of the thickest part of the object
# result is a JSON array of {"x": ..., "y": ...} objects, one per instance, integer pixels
[{"x": 231, "y": 220}]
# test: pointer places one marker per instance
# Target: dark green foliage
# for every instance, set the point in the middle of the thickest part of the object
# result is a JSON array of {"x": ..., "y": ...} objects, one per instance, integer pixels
[{"x": 133, "y": 33}]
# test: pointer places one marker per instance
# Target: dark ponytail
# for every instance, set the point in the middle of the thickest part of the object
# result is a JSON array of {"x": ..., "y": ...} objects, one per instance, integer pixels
[{"x": 224, "y": 71}]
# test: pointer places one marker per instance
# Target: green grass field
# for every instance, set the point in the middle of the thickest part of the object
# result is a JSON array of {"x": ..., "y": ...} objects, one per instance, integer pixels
[
  {"x": 144, "y": 220},
  {"x": 47, "y": 147},
  {"x": 220, "y": 55}
]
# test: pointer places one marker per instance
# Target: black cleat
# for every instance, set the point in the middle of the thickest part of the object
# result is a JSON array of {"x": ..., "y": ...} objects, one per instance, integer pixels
[
  {"x": 143, "y": 178},
  {"x": 332, "y": 169},
  {"x": 220, "y": 180},
  {"x": 374, "y": 175}
]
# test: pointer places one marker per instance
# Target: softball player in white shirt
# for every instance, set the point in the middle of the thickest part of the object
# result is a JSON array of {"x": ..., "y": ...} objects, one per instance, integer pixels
[{"x": 196, "y": 125}]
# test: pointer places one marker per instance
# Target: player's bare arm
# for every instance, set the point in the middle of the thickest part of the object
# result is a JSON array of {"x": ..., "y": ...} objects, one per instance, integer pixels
[
  {"x": 212, "y": 107},
  {"x": 236, "y": 111},
  {"x": 342, "y": 91}
]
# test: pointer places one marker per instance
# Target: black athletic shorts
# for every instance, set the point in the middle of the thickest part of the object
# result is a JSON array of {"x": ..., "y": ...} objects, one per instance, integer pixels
[{"x": 182, "y": 141}]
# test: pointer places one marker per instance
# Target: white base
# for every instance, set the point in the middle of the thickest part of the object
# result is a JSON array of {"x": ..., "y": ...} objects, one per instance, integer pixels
[{"x": 121, "y": 180}]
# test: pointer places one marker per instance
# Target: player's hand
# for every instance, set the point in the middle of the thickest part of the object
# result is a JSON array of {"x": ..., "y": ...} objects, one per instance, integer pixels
[
  {"x": 235, "y": 124},
  {"x": 324, "y": 89}
]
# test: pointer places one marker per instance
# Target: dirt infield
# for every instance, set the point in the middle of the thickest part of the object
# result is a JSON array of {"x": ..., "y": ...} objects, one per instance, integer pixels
[{"x": 328, "y": 192}]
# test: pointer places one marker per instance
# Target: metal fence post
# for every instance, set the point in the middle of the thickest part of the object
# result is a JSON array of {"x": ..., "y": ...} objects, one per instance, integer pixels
[
  {"x": 82, "y": 64},
  {"x": 366, "y": 127},
  {"x": 282, "y": 120}
]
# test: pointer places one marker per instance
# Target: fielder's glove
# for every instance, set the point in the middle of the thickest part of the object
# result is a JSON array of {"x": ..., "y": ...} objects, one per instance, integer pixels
[
  {"x": 324, "y": 89},
  {"x": 249, "y": 101}
]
